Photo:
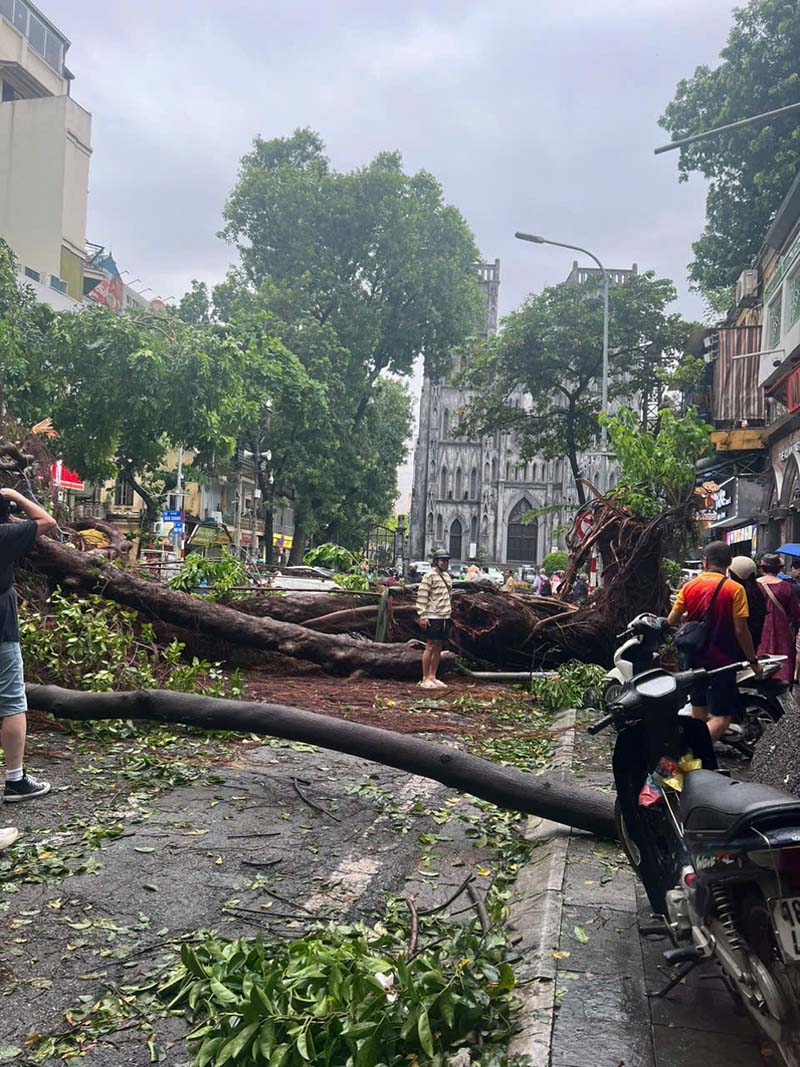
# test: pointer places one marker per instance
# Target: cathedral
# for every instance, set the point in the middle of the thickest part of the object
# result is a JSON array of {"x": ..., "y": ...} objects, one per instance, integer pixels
[{"x": 469, "y": 496}]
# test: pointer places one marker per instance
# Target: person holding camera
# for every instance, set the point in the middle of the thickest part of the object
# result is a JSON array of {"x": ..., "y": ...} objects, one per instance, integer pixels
[{"x": 16, "y": 539}]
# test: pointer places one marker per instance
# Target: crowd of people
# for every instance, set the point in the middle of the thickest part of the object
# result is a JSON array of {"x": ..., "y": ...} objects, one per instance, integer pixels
[{"x": 746, "y": 614}]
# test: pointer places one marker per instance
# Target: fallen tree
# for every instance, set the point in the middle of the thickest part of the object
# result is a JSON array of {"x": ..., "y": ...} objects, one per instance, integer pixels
[
  {"x": 557, "y": 797},
  {"x": 90, "y": 572}
]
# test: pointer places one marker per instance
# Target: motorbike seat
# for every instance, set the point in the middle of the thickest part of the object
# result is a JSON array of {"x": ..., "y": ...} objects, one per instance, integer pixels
[{"x": 714, "y": 807}]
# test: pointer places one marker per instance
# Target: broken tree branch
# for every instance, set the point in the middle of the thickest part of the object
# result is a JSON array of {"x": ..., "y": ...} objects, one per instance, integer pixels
[{"x": 552, "y": 796}]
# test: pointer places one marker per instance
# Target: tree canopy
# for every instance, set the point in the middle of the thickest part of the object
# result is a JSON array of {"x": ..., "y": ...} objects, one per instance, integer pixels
[
  {"x": 551, "y": 349},
  {"x": 375, "y": 252},
  {"x": 749, "y": 170}
]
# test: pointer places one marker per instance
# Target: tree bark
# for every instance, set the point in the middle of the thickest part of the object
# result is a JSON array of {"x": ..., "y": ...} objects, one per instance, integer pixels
[
  {"x": 339, "y": 655},
  {"x": 298, "y": 549},
  {"x": 556, "y": 797}
]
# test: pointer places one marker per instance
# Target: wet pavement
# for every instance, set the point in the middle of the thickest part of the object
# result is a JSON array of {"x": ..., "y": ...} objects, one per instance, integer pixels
[
  {"x": 283, "y": 837},
  {"x": 606, "y": 968}
]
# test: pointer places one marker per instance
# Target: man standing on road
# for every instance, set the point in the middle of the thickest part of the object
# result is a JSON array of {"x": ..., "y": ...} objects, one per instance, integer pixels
[
  {"x": 724, "y": 602},
  {"x": 434, "y": 608},
  {"x": 16, "y": 538}
]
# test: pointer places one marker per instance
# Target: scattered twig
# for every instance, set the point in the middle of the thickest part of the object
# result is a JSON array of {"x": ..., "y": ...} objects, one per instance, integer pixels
[
  {"x": 285, "y": 900},
  {"x": 261, "y": 863},
  {"x": 480, "y": 907},
  {"x": 450, "y": 899},
  {"x": 414, "y": 935},
  {"x": 312, "y": 804},
  {"x": 272, "y": 833}
]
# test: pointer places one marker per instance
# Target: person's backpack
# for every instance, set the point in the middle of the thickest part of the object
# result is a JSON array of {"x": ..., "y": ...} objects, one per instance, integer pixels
[
  {"x": 545, "y": 587},
  {"x": 693, "y": 636}
]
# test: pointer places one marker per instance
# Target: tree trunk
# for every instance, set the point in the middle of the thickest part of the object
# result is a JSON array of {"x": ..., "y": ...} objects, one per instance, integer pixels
[
  {"x": 298, "y": 547},
  {"x": 339, "y": 655},
  {"x": 556, "y": 797},
  {"x": 572, "y": 452}
]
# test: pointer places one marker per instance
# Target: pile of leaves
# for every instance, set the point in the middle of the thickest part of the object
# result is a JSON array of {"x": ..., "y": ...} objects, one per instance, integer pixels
[
  {"x": 344, "y": 996},
  {"x": 93, "y": 644}
]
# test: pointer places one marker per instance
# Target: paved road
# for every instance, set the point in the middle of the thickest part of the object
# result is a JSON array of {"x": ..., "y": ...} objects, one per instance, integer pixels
[{"x": 239, "y": 853}]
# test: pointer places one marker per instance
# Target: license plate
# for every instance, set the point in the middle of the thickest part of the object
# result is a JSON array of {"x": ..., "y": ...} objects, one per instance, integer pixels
[{"x": 786, "y": 923}]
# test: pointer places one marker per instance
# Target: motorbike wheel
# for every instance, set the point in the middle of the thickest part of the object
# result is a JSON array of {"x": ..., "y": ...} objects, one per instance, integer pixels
[
  {"x": 759, "y": 713},
  {"x": 629, "y": 846},
  {"x": 779, "y": 985}
]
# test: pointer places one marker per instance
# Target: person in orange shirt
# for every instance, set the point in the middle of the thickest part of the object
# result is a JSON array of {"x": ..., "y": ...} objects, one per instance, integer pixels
[{"x": 716, "y": 700}]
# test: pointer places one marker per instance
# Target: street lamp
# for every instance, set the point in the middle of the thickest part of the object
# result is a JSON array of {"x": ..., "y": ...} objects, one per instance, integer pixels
[{"x": 537, "y": 240}]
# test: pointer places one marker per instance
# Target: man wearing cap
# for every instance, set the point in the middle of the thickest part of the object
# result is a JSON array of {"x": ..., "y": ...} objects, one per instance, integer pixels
[{"x": 434, "y": 608}]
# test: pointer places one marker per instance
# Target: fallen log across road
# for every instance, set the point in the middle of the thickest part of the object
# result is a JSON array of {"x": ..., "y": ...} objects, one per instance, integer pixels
[
  {"x": 89, "y": 572},
  {"x": 554, "y": 796}
]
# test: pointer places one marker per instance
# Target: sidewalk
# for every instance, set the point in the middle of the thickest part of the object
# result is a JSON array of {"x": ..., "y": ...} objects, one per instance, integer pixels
[{"x": 604, "y": 969}]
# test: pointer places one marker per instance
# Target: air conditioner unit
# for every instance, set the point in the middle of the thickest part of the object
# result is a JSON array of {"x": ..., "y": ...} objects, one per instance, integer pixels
[
  {"x": 217, "y": 517},
  {"x": 747, "y": 288}
]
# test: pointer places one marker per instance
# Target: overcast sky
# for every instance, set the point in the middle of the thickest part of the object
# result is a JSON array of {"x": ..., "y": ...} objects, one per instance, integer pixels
[{"x": 535, "y": 116}]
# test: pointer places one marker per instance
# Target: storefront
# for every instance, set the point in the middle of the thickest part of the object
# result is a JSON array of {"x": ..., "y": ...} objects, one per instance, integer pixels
[{"x": 736, "y": 503}]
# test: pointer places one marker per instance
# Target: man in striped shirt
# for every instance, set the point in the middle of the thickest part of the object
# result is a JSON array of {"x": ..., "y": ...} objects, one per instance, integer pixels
[{"x": 434, "y": 608}]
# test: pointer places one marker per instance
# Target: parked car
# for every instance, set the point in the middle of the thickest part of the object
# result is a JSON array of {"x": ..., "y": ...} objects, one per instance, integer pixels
[
  {"x": 303, "y": 579},
  {"x": 422, "y": 565}
]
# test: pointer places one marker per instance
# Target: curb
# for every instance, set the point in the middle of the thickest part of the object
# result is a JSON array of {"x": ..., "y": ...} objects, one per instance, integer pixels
[{"x": 535, "y": 915}]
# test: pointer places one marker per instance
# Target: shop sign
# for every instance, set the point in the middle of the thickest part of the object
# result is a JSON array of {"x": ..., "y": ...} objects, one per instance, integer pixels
[
  {"x": 744, "y": 533},
  {"x": 722, "y": 502}
]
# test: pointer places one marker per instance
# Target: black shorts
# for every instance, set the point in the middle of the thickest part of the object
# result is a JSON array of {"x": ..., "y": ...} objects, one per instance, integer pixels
[
  {"x": 719, "y": 695},
  {"x": 437, "y": 629}
]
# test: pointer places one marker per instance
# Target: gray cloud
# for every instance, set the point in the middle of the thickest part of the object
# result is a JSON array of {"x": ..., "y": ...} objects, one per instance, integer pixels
[{"x": 533, "y": 115}]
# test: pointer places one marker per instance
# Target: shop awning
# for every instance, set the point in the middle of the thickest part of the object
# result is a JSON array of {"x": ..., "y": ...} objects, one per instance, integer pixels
[{"x": 64, "y": 478}]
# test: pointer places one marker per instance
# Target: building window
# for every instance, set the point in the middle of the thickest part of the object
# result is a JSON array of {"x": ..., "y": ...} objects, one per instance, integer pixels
[
  {"x": 458, "y": 483},
  {"x": 794, "y": 300},
  {"x": 494, "y": 470},
  {"x": 34, "y": 275},
  {"x": 473, "y": 483},
  {"x": 445, "y": 424},
  {"x": 443, "y": 483},
  {"x": 522, "y": 537},
  {"x": 123, "y": 495},
  {"x": 429, "y": 527},
  {"x": 7, "y": 9},
  {"x": 473, "y": 530},
  {"x": 36, "y": 35},
  {"x": 455, "y": 539},
  {"x": 21, "y": 17},
  {"x": 774, "y": 325},
  {"x": 439, "y": 529}
]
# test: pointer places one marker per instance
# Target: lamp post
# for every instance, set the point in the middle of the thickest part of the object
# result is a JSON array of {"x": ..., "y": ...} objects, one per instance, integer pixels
[{"x": 537, "y": 240}]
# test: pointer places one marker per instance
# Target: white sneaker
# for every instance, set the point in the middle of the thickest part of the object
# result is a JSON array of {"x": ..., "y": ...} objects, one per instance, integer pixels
[{"x": 8, "y": 835}]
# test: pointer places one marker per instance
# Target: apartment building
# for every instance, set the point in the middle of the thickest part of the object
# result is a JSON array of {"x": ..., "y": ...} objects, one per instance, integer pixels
[{"x": 45, "y": 147}]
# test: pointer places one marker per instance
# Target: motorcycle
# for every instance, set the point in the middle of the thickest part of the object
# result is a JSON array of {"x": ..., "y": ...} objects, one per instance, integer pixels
[
  {"x": 718, "y": 858},
  {"x": 641, "y": 640}
]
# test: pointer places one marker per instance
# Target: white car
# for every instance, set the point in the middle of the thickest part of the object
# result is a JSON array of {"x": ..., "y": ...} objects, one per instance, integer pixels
[{"x": 304, "y": 580}]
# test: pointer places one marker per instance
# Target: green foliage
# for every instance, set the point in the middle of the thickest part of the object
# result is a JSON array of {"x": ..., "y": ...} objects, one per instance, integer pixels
[
  {"x": 374, "y": 252},
  {"x": 222, "y": 575},
  {"x": 91, "y": 644},
  {"x": 335, "y": 557},
  {"x": 566, "y": 689},
  {"x": 749, "y": 171},
  {"x": 345, "y": 996},
  {"x": 555, "y": 561},
  {"x": 356, "y": 273},
  {"x": 356, "y": 582},
  {"x": 671, "y": 570},
  {"x": 657, "y": 470},
  {"x": 551, "y": 347}
]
